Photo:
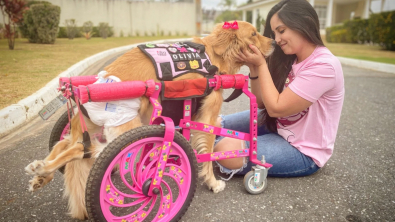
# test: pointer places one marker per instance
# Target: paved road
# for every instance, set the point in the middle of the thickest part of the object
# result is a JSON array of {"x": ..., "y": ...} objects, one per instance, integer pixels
[{"x": 357, "y": 184}]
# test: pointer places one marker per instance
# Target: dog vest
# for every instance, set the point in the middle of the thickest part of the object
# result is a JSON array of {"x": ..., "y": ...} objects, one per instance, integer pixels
[{"x": 176, "y": 59}]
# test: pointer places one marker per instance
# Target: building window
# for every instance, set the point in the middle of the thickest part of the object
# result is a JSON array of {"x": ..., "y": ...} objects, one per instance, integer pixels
[{"x": 321, "y": 12}]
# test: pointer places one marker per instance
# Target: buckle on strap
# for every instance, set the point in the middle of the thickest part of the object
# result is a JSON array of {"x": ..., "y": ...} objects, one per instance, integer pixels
[{"x": 86, "y": 142}]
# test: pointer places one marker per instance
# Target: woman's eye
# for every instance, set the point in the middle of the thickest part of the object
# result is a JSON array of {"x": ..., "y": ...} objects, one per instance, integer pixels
[{"x": 282, "y": 31}]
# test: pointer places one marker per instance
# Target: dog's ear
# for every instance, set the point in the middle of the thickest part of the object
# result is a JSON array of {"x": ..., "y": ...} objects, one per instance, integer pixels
[
  {"x": 226, "y": 43},
  {"x": 223, "y": 39}
]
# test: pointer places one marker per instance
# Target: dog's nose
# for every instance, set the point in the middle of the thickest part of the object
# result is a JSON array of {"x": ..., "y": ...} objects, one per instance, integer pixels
[{"x": 274, "y": 43}]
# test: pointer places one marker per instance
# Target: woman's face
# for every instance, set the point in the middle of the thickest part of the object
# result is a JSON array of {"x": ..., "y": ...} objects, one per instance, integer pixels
[{"x": 290, "y": 41}]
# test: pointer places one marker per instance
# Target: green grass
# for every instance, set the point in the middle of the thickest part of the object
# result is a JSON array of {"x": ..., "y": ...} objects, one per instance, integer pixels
[
  {"x": 364, "y": 52},
  {"x": 29, "y": 67}
]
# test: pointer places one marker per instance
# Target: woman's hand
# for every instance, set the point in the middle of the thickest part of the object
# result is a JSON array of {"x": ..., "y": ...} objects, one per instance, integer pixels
[{"x": 252, "y": 60}]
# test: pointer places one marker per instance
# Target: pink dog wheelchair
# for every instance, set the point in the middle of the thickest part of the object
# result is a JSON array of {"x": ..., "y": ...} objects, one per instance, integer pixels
[{"x": 150, "y": 173}]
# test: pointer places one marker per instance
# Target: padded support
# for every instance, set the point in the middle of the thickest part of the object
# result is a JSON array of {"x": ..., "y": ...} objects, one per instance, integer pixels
[
  {"x": 230, "y": 81},
  {"x": 114, "y": 91}
]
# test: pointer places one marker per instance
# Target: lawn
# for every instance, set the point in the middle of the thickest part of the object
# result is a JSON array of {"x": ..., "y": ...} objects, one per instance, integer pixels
[
  {"x": 30, "y": 66},
  {"x": 364, "y": 52}
]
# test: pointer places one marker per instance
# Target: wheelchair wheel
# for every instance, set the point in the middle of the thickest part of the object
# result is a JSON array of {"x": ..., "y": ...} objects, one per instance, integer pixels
[
  {"x": 122, "y": 196},
  {"x": 250, "y": 186},
  {"x": 60, "y": 129}
]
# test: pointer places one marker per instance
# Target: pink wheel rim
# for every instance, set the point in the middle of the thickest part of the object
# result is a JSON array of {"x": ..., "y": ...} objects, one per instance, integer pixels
[
  {"x": 65, "y": 131},
  {"x": 126, "y": 194}
]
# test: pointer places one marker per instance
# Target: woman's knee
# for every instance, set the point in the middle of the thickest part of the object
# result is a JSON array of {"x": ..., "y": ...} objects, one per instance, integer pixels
[{"x": 229, "y": 144}]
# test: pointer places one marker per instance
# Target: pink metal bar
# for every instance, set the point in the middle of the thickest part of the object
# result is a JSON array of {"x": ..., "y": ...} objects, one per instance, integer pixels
[
  {"x": 157, "y": 111},
  {"x": 221, "y": 155},
  {"x": 187, "y": 116},
  {"x": 213, "y": 130},
  {"x": 164, "y": 151}
]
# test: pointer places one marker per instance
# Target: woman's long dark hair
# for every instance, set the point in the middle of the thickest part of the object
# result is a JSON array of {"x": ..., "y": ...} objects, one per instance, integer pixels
[{"x": 301, "y": 17}]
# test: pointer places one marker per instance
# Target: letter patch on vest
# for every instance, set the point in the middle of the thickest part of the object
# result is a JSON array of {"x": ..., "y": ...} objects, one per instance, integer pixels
[{"x": 175, "y": 59}]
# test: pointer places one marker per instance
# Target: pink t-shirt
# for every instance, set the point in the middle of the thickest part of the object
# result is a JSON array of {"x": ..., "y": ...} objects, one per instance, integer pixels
[{"x": 318, "y": 79}]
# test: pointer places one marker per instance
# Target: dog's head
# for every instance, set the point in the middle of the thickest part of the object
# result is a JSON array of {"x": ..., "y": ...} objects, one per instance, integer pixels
[{"x": 228, "y": 39}]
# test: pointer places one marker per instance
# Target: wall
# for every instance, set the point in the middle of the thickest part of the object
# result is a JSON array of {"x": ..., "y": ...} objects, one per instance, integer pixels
[
  {"x": 131, "y": 17},
  {"x": 343, "y": 11}
]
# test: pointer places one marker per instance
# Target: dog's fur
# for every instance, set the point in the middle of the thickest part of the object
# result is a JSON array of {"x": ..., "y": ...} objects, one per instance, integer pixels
[{"x": 222, "y": 46}]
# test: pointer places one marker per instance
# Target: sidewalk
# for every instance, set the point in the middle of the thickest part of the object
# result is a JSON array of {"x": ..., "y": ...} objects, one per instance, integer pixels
[{"x": 17, "y": 115}]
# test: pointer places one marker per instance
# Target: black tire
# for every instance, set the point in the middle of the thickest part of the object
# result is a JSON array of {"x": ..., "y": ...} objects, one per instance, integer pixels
[
  {"x": 56, "y": 133},
  {"x": 92, "y": 195}
]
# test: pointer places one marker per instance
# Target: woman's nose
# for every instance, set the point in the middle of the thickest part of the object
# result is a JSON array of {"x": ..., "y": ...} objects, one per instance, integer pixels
[{"x": 277, "y": 39}]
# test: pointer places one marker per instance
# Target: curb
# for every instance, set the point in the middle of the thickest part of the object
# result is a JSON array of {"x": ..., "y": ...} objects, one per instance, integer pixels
[
  {"x": 16, "y": 115},
  {"x": 376, "y": 66}
]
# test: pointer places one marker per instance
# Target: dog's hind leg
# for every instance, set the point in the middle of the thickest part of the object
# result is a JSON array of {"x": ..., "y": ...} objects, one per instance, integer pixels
[
  {"x": 77, "y": 172},
  {"x": 38, "y": 182},
  {"x": 204, "y": 142},
  {"x": 46, "y": 167}
]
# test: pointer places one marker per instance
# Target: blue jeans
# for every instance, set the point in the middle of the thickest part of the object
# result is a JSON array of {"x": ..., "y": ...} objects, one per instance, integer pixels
[{"x": 287, "y": 160}]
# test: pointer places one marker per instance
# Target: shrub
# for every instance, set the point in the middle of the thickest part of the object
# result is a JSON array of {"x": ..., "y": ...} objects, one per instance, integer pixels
[
  {"x": 62, "y": 33},
  {"x": 379, "y": 28},
  {"x": 87, "y": 30},
  {"x": 71, "y": 28},
  {"x": 46, "y": 22},
  {"x": 23, "y": 24},
  {"x": 87, "y": 26},
  {"x": 329, "y": 32},
  {"x": 104, "y": 30},
  {"x": 41, "y": 23},
  {"x": 339, "y": 35},
  {"x": 357, "y": 30},
  {"x": 382, "y": 29}
]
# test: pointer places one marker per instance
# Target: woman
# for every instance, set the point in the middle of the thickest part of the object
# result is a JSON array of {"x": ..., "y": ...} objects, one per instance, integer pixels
[{"x": 300, "y": 89}]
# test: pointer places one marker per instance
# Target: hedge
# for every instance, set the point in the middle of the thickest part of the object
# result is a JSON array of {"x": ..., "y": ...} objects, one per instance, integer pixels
[
  {"x": 40, "y": 22},
  {"x": 382, "y": 28},
  {"x": 379, "y": 28},
  {"x": 62, "y": 33}
]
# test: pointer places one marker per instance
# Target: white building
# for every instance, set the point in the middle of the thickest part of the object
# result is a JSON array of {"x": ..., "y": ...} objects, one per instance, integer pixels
[
  {"x": 329, "y": 12},
  {"x": 135, "y": 17}
]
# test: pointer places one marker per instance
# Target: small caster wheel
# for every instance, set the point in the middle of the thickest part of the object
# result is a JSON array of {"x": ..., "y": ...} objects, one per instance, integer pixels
[{"x": 250, "y": 185}]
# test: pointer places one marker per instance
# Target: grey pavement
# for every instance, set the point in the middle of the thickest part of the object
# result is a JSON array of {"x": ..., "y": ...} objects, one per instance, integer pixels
[{"x": 357, "y": 184}]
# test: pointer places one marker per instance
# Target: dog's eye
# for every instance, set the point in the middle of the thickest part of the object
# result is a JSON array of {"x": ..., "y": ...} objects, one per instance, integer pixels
[{"x": 254, "y": 34}]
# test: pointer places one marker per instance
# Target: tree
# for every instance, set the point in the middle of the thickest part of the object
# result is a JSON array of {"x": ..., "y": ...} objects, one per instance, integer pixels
[
  {"x": 12, "y": 10},
  {"x": 228, "y": 14},
  {"x": 227, "y": 4}
]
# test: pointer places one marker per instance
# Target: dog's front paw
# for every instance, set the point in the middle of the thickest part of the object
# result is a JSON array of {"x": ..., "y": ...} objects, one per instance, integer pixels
[
  {"x": 37, "y": 183},
  {"x": 35, "y": 168},
  {"x": 220, "y": 186}
]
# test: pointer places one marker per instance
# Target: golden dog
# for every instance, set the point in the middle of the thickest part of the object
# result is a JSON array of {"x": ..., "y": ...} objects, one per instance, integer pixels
[{"x": 222, "y": 46}]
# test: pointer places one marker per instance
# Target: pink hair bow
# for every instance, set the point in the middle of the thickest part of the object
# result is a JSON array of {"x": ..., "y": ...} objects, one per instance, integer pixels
[{"x": 232, "y": 25}]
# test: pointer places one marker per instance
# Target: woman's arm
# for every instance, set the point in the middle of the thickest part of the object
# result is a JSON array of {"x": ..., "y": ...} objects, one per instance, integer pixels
[
  {"x": 255, "y": 87},
  {"x": 277, "y": 105}
]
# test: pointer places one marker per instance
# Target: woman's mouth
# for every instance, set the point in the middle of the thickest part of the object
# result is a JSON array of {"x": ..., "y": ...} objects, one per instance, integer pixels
[{"x": 282, "y": 45}]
